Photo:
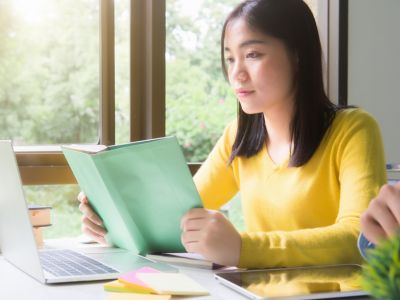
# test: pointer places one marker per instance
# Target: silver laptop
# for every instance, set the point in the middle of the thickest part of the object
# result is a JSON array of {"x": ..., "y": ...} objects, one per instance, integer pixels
[{"x": 18, "y": 245}]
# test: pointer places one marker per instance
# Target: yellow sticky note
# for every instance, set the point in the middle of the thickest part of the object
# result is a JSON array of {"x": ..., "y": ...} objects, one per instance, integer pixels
[
  {"x": 118, "y": 296},
  {"x": 118, "y": 286},
  {"x": 172, "y": 284}
]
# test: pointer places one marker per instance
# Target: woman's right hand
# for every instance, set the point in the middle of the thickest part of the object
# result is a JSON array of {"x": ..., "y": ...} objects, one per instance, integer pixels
[
  {"x": 92, "y": 225},
  {"x": 381, "y": 220}
]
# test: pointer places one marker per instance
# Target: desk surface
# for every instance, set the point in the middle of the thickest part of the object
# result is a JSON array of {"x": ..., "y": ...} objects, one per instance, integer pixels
[{"x": 15, "y": 284}]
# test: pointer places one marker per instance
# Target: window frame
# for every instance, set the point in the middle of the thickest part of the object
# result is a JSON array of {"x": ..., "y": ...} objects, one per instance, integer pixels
[{"x": 44, "y": 165}]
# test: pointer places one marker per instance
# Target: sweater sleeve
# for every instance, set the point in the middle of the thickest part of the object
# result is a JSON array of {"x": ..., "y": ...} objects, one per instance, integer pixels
[
  {"x": 215, "y": 180},
  {"x": 359, "y": 159}
]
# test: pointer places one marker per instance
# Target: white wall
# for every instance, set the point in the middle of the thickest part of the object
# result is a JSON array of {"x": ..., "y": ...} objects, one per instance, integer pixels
[{"x": 374, "y": 66}]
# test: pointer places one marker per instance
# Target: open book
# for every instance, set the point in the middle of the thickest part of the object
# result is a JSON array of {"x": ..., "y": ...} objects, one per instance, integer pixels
[{"x": 141, "y": 190}]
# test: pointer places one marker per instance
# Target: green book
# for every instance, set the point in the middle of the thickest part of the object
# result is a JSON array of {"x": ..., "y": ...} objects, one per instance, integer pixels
[{"x": 141, "y": 190}]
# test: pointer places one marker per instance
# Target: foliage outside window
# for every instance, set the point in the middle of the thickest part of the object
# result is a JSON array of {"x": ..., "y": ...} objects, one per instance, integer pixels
[{"x": 49, "y": 71}]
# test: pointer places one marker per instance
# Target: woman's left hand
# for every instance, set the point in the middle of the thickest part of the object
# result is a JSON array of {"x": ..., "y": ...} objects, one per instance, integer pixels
[{"x": 209, "y": 233}]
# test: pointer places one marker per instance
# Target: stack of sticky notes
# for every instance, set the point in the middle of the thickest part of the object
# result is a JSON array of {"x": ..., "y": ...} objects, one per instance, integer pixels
[
  {"x": 129, "y": 283},
  {"x": 156, "y": 284},
  {"x": 119, "y": 296}
]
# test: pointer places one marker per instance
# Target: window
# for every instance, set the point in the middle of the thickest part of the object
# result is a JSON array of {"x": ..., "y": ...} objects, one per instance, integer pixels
[
  {"x": 50, "y": 90},
  {"x": 122, "y": 90},
  {"x": 49, "y": 71},
  {"x": 195, "y": 84}
]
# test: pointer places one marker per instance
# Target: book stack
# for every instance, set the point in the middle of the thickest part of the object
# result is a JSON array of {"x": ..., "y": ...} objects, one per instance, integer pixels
[{"x": 40, "y": 217}]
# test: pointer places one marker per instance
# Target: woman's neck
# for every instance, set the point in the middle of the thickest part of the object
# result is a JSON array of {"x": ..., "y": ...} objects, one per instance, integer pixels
[{"x": 277, "y": 122}]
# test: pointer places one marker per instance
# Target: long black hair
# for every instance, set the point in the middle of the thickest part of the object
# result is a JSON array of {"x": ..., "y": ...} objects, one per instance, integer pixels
[{"x": 292, "y": 22}]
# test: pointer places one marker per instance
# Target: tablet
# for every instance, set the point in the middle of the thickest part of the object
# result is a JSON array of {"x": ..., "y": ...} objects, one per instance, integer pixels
[{"x": 317, "y": 282}]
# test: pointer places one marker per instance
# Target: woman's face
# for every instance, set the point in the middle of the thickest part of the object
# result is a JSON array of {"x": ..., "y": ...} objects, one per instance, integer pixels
[{"x": 259, "y": 67}]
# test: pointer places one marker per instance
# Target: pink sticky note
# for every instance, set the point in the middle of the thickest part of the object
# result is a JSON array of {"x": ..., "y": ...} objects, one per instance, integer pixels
[{"x": 132, "y": 276}]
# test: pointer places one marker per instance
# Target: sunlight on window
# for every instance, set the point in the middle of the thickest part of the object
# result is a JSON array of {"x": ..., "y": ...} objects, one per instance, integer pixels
[
  {"x": 122, "y": 72},
  {"x": 190, "y": 8},
  {"x": 49, "y": 71},
  {"x": 32, "y": 11}
]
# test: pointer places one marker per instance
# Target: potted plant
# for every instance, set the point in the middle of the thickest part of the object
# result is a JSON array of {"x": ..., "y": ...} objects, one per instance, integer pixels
[{"x": 381, "y": 274}]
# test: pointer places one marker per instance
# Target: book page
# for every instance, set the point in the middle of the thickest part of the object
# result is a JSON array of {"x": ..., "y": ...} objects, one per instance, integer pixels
[
  {"x": 188, "y": 255},
  {"x": 87, "y": 148}
]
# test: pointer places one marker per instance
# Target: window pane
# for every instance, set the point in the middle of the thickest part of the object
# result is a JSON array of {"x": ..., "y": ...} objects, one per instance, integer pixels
[
  {"x": 122, "y": 124},
  {"x": 49, "y": 71},
  {"x": 199, "y": 102},
  {"x": 65, "y": 215}
]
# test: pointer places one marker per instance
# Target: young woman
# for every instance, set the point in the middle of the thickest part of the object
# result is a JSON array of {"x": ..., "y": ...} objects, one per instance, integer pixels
[{"x": 305, "y": 169}]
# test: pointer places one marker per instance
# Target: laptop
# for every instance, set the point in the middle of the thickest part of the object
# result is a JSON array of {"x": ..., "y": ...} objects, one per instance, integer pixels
[
  {"x": 18, "y": 245},
  {"x": 314, "y": 282}
]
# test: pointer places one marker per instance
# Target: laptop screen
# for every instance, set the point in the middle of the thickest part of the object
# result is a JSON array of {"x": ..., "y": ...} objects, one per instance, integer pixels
[
  {"x": 295, "y": 282},
  {"x": 16, "y": 236}
]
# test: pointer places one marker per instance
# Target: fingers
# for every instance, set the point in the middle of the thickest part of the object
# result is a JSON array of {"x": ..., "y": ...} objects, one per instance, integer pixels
[
  {"x": 92, "y": 225},
  {"x": 194, "y": 213},
  {"x": 388, "y": 205},
  {"x": 93, "y": 230},
  {"x": 98, "y": 238},
  {"x": 98, "y": 230},
  {"x": 397, "y": 186},
  {"x": 193, "y": 224},
  {"x": 90, "y": 214},
  {"x": 192, "y": 247},
  {"x": 191, "y": 241},
  {"x": 210, "y": 234},
  {"x": 82, "y": 198},
  {"x": 382, "y": 218},
  {"x": 393, "y": 205},
  {"x": 381, "y": 214},
  {"x": 391, "y": 196},
  {"x": 191, "y": 237},
  {"x": 198, "y": 226},
  {"x": 372, "y": 230}
]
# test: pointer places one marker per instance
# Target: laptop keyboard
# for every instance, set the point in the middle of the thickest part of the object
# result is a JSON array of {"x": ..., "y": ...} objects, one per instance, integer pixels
[{"x": 70, "y": 263}]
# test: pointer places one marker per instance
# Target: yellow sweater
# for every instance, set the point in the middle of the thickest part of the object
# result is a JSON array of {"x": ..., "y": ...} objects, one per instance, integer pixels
[{"x": 300, "y": 215}]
